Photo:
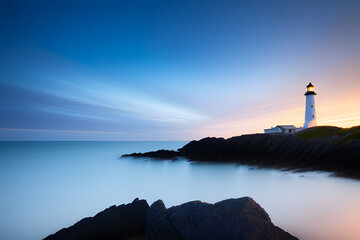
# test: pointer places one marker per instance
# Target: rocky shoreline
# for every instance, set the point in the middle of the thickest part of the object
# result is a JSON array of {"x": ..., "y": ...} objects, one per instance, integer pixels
[
  {"x": 283, "y": 152},
  {"x": 240, "y": 218}
]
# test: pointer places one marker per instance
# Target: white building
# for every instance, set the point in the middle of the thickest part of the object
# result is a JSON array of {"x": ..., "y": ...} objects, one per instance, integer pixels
[
  {"x": 284, "y": 129},
  {"x": 310, "y": 115}
]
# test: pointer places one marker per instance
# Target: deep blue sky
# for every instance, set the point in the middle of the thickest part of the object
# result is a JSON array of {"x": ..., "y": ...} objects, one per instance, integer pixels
[{"x": 172, "y": 70}]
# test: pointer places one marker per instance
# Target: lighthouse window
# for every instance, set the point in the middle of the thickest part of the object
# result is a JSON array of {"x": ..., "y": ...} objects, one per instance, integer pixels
[
  {"x": 312, "y": 106},
  {"x": 313, "y": 116},
  {"x": 310, "y": 89}
]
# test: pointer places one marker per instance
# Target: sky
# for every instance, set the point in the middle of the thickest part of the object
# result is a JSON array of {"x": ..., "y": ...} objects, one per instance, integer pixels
[{"x": 174, "y": 70}]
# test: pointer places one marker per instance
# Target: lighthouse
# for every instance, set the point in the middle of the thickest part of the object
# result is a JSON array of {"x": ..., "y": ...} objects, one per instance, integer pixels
[{"x": 310, "y": 114}]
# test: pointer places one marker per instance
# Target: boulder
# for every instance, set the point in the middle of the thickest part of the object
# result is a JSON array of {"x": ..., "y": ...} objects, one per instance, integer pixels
[
  {"x": 121, "y": 222},
  {"x": 240, "y": 218}
]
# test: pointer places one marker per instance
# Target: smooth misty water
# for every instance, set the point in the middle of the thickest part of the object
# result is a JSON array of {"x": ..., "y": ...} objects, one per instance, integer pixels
[{"x": 46, "y": 186}]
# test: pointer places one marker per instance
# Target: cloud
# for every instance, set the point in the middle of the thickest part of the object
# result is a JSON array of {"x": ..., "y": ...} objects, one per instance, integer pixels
[
  {"x": 58, "y": 131},
  {"x": 56, "y": 85}
]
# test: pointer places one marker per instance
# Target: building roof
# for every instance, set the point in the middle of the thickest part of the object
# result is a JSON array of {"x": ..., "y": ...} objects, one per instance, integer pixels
[
  {"x": 310, "y": 85},
  {"x": 286, "y": 126}
]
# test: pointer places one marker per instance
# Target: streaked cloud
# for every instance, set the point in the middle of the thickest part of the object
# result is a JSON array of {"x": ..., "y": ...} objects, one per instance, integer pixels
[{"x": 58, "y": 131}]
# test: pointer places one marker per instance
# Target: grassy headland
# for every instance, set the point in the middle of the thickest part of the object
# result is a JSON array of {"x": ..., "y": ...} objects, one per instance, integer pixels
[{"x": 344, "y": 134}]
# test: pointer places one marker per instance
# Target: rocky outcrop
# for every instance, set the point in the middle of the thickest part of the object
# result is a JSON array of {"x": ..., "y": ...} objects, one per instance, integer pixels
[
  {"x": 160, "y": 154},
  {"x": 275, "y": 151},
  {"x": 158, "y": 225},
  {"x": 239, "y": 219},
  {"x": 121, "y": 222}
]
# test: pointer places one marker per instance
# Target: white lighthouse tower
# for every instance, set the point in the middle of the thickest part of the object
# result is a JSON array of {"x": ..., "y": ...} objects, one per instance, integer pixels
[{"x": 310, "y": 114}]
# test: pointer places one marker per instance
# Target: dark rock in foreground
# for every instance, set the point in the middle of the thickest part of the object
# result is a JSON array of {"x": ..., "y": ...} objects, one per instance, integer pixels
[
  {"x": 284, "y": 152},
  {"x": 240, "y": 218},
  {"x": 121, "y": 222}
]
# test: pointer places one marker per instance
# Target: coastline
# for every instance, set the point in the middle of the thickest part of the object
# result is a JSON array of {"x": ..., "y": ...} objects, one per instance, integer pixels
[{"x": 283, "y": 152}]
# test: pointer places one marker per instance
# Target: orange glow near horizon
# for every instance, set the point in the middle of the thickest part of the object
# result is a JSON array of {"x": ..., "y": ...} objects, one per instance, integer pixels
[{"x": 335, "y": 106}]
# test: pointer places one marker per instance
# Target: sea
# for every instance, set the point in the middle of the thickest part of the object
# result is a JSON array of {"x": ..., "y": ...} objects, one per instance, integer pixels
[{"x": 46, "y": 186}]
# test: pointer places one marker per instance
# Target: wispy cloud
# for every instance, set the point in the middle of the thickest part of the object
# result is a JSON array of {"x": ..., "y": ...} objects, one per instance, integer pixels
[
  {"x": 59, "y": 131},
  {"x": 92, "y": 95},
  {"x": 140, "y": 104}
]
